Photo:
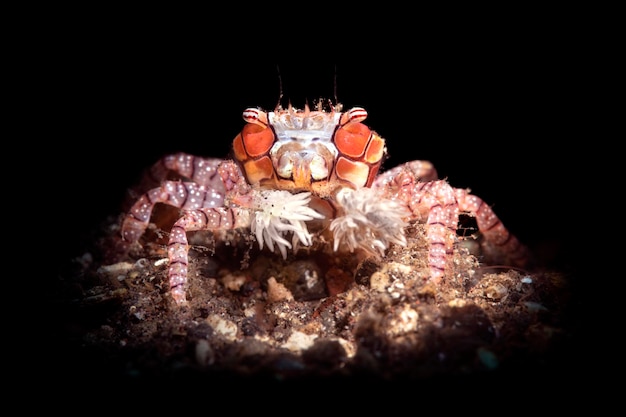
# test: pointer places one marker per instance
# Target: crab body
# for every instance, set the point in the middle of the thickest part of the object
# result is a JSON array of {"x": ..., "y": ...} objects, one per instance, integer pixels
[{"x": 292, "y": 167}]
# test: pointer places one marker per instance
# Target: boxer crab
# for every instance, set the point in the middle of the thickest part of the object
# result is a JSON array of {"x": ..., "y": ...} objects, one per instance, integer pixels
[{"x": 297, "y": 175}]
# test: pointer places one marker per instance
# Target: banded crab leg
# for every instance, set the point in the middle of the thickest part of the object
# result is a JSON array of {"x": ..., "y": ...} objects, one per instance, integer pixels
[
  {"x": 420, "y": 171},
  {"x": 200, "y": 213},
  {"x": 202, "y": 171},
  {"x": 212, "y": 180},
  {"x": 499, "y": 242},
  {"x": 178, "y": 248},
  {"x": 441, "y": 204},
  {"x": 415, "y": 184},
  {"x": 437, "y": 200},
  {"x": 184, "y": 195},
  {"x": 204, "y": 205}
]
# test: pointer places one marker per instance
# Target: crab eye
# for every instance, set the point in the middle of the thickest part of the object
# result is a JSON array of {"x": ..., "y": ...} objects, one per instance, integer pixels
[
  {"x": 255, "y": 116},
  {"x": 357, "y": 114},
  {"x": 354, "y": 115}
]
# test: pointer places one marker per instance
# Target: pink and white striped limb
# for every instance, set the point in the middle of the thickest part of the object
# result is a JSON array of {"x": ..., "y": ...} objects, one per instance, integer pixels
[
  {"x": 203, "y": 202},
  {"x": 178, "y": 247},
  {"x": 440, "y": 205},
  {"x": 499, "y": 241}
]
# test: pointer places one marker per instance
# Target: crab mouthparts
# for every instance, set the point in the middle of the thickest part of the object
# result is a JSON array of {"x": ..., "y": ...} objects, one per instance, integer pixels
[
  {"x": 302, "y": 174},
  {"x": 303, "y": 167},
  {"x": 307, "y": 168}
]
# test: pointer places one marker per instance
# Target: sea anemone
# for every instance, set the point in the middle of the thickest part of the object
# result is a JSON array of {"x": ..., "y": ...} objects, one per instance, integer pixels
[
  {"x": 368, "y": 222},
  {"x": 279, "y": 212}
]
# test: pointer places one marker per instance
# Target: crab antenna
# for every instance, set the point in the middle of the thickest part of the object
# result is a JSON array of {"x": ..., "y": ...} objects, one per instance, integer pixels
[
  {"x": 280, "y": 88},
  {"x": 335, "y": 85}
]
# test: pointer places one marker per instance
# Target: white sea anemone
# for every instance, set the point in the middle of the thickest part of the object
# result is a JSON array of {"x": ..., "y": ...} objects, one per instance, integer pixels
[
  {"x": 369, "y": 221},
  {"x": 279, "y": 212}
]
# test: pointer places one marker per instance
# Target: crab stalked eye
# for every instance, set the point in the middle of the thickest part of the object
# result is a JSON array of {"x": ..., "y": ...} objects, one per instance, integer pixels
[
  {"x": 354, "y": 115},
  {"x": 357, "y": 114},
  {"x": 255, "y": 116}
]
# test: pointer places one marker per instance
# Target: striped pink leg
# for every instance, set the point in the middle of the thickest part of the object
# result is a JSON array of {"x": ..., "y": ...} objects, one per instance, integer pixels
[
  {"x": 437, "y": 200},
  {"x": 213, "y": 179},
  {"x": 213, "y": 184},
  {"x": 202, "y": 171},
  {"x": 421, "y": 171},
  {"x": 501, "y": 243},
  {"x": 184, "y": 195},
  {"x": 178, "y": 247},
  {"x": 426, "y": 198}
]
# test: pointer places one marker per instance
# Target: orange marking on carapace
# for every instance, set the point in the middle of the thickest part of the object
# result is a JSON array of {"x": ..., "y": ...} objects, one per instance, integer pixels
[
  {"x": 258, "y": 170},
  {"x": 375, "y": 149},
  {"x": 257, "y": 140},
  {"x": 355, "y": 172},
  {"x": 352, "y": 139}
]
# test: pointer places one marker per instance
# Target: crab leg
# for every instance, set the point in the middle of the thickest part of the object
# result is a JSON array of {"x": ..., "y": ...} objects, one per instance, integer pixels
[
  {"x": 498, "y": 239},
  {"x": 422, "y": 171},
  {"x": 215, "y": 180},
  {"x": 202, "y": 202},
  {"x": 440, "y": 204},
  {"x": 184, "y": 195},
  {"x": 178, "y": 247},
  {"x": 202, "y": 171},
  {"x": 437, "y": 199},
  {"x": 433, "y": 200}
]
